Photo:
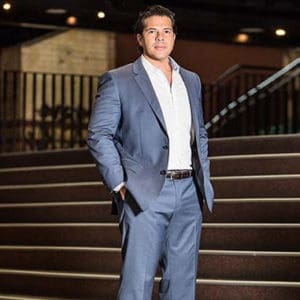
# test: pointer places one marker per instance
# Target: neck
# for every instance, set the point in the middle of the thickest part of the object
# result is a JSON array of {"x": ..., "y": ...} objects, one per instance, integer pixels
[{"x": 163, "y": 65}]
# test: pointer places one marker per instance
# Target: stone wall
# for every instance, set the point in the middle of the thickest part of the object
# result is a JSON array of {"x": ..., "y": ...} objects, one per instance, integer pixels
[
  {"x": 37, "y": 98},
  {"x": 75, "y": 51}
]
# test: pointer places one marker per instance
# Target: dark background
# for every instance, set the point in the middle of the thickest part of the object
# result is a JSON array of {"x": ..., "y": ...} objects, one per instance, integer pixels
[{"x": 212, "y": 20}]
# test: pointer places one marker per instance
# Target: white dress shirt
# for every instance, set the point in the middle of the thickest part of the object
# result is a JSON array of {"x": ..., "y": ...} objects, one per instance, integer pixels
[{"x": 175, "y": 106}]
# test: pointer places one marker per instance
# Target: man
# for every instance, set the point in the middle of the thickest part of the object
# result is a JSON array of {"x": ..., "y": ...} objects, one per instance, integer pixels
[{"x": 148, "y": 138}]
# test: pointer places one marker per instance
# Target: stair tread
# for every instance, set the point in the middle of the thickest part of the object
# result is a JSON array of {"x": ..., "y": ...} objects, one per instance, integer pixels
[
  {"x": 32, "y": 297},
  {"x": 100, "y": 276},
  {"x": 118, "y": 250},
  {"x": 102, "y": 203},
  {"x": 254, "y": 156},
  {"x": 49, "y": 167},
  {"x": 92, "y": 165},
  {"x": 100, "y": 183},
  {"x": 204, "y": 225}
]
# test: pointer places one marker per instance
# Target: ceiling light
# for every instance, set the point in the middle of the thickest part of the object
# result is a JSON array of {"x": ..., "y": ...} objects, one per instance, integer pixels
[
  {"x": 71, "y": 20},
  {"x": 6, "y": 6},
  {"x": 101, "y": 14},
  {"x": 242, "y": 38},
  {"x": 280, "y": 32},
  {"x": 56, "y": 11}
]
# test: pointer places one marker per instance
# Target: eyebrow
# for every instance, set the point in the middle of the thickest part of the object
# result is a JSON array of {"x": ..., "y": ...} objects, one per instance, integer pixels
[{"x": 153, "y": 28}]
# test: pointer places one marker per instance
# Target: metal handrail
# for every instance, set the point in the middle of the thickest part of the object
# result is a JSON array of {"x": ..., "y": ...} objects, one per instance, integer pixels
[
  {"x": 235, "y": 68},
  {"x": 251, "y": 93}
]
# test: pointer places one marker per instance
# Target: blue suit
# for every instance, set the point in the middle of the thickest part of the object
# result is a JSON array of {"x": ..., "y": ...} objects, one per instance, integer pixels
[{"x": 129, "y": 141}]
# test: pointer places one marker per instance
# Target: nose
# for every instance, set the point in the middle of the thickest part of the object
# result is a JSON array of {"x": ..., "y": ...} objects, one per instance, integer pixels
[{"x": 159, "y": 36}]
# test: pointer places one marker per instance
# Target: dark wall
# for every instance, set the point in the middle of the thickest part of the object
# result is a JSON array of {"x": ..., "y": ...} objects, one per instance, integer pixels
[{"x": 208, "y": 59}]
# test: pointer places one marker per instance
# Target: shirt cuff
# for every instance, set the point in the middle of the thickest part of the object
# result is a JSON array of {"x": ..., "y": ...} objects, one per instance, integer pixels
[{"x": 117, "y": 188}]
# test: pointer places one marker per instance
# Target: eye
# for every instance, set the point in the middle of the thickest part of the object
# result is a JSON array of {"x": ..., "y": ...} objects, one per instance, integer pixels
[
  {"x": 152, "y": 31},
  {"x": 167, "y": 31}
]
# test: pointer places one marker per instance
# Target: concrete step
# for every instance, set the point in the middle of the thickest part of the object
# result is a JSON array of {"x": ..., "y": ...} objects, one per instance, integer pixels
[
  {"x": 49, "y": 174},
  {"x": 255, "y": 210},
  {"x": 81, "y": 191},
  {"x": 222, "y": 236},
  {"x": 30, "y": 297},
  {"x": 45, "y": 158},
  {"x": 231, "y": 165},
  {"x": 286, "y": 143},
  {"x": 252, "y": 210},
  {"x": 238, "y": 265},
  {"x": 255, "y": 164},
  {"x": 260, "y": 186},
  {"x": 98, "y": 211},
  {"x": 104, "y": 286},
  {"x": 217, "y": 146}
]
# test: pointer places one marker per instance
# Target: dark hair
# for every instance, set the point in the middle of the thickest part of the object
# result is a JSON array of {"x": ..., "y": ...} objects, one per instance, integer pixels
[{"x": 154, "y": 10}]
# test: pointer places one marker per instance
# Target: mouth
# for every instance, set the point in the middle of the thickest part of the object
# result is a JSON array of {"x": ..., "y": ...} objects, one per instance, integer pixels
[{"x": 160, "y": 47}]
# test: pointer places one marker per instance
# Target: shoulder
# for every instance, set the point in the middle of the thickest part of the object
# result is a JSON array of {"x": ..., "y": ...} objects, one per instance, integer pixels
[
  {"x": 121, "y": 71},
  {"x": 191, "y": 76},
  {"x": 117, "y": 74}
]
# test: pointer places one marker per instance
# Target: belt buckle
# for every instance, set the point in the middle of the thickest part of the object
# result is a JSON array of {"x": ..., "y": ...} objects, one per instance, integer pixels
[
  {"x": 181, "y": 175},
  {"x": 173, "y": 176},
  {"x": 178, "y": 176}
]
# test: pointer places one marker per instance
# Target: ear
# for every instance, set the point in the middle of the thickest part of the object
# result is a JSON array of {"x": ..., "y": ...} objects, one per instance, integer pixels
[{"x": 139, "y": 39}]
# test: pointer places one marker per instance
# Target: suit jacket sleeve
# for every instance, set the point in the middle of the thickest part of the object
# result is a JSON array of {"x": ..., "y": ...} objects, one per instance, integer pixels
[
  {"x": 205, "y": 163},
  {"x": 102, "y": 128},
  {"x": 203, "y": 132}
]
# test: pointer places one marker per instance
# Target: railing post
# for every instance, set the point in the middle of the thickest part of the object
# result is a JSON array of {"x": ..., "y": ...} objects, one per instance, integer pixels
[
  {"x": 72, "y": 84},
  {"x": 24, "y": 106},
  {"x": 62, "y": 123},
  {"x": 295, "y": 106},
  {"x": 54, "y": 111}
]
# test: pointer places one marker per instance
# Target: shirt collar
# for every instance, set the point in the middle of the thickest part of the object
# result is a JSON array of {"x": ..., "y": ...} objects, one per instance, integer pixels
[
  {"x": 174, "y": 64},
  {"x": 150, "y": 67}
]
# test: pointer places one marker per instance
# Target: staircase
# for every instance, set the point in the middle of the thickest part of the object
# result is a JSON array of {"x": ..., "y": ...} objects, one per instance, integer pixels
[{"x": 59, "y": 241}]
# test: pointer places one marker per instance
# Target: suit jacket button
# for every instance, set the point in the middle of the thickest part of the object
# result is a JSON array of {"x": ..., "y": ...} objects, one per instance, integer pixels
[
  {"x": 163, "y": 172},
  {"x": 166, "y": 147}
]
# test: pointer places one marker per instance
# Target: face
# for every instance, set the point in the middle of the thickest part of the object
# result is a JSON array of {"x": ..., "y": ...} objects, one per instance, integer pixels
[{"x": 157, "y": 38}]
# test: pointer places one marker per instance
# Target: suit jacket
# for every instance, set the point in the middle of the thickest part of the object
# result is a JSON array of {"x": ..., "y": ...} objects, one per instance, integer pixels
[{"x": 128, "y": 138}]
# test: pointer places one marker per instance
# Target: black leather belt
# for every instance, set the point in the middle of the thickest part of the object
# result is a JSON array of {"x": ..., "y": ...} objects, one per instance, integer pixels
[{"x": 179, "y": 174}]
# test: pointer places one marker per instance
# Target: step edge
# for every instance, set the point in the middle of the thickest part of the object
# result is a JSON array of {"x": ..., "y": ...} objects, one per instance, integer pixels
[
  {"x": 40, "y": 152},
  {"x": 100, "y": 183},
  {"x": 104, "y": 203},
  {"x": 108, "y": 224},
  {"x": 51, "y": 204},
  {"x": 253, "y": 283},
  {"x": 31, "y": 297},
  {"x": 118, "y": 250},
  {"x": 92, "y": 165},
  {"x": 254, "y": 156},
  {"x": 255, "y": 137},
  {"x": 46, "y": 168},
  {"x": 116, "y": 277},
  {"x": 257, "y": 199},
  {"x": 50, "y": 185},
  {"x": 253, "y": 177}
]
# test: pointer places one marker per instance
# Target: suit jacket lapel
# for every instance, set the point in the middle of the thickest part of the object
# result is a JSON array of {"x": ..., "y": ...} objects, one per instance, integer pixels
[{"x": 144, "y": 83}]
